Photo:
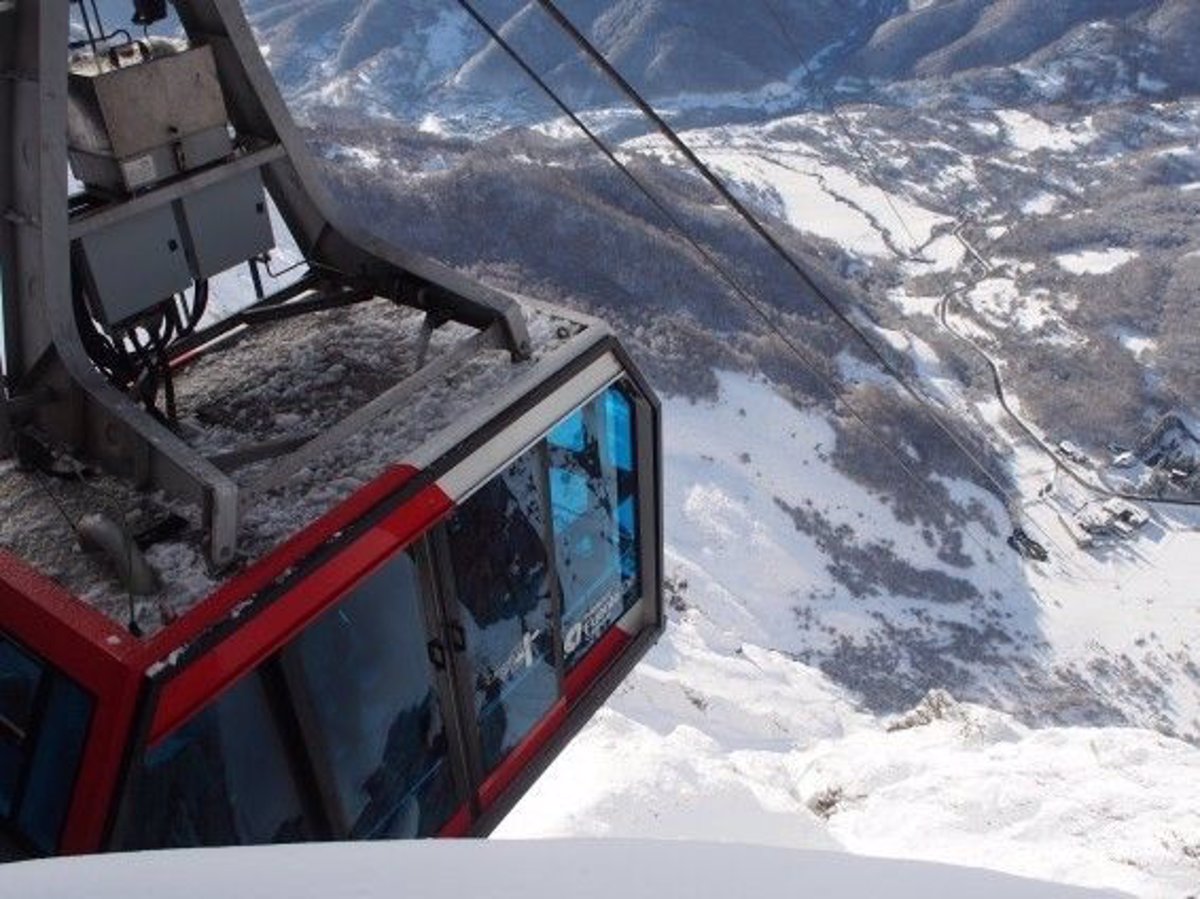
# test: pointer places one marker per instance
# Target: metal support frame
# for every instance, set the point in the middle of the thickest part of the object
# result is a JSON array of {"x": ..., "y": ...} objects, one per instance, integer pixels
[
  {"x": 76, "y": 406},
  {"x": 9, "y": 87},
  {"x": 7, "y": 248},
  {"x": 390, "y": 399}
]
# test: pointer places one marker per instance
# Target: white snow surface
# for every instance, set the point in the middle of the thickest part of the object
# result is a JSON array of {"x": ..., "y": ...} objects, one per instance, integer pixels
[
  {"x": 1042, "y": 204},
  {"x": 276, "y": 384},
  {"x": 725, "y": 733},
  {"x": 1030, "y": 134},
  {"x": 1096, "y": 262},
  {"x": 513, "y": 870},
  {"x": 795, "y": 181}
]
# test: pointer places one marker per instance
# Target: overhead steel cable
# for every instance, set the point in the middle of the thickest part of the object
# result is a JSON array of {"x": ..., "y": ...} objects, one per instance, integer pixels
[
  {"x": 601, "y": 62},
  {"x": 751, "y": 219},
  {"x": 710, "y": 258},
  {"x": 1011, "y": 496}
]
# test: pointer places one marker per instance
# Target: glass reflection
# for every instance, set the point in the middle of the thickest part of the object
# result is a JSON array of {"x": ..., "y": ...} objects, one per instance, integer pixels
[
  {"x": 501, "y": 570},
  {"x": 376, "y": 710},
  {"x": 593, "y": 493},
  {"x": 19, "y": 678},
  {"x": 220, "y": 780},
  {"x": 44, "y": 721}
]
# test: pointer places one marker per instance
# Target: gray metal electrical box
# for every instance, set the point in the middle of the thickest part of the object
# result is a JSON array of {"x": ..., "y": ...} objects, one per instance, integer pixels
[
  {"x": 133, "y": 123},
  {"x": 139, "y": 261},
  {"x": 135, "y": 264},
  {"x": 227, "y": 224}
]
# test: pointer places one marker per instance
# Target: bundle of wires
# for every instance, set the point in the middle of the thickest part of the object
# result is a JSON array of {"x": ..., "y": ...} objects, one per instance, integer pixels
[{"x": 135, "y": 354}]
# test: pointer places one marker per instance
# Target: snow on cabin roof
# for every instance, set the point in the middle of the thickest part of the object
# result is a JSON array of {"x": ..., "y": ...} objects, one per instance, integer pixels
[{"x": 288, "y": 379}]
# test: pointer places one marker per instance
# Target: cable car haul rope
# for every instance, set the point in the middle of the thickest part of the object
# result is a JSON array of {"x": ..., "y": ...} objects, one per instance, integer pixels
[{"x": 894, "y": 453}]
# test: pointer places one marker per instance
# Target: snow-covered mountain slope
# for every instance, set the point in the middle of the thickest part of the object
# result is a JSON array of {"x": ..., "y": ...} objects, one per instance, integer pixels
[
  {"x": 731, "y": 730},
  {"x": 581, "y": 869},
  {"x": 826, "y": 592},
  {"x": 948, "y": 37},
  {"x": 406, "y": 59},
  {"x": 1069, "y": 244},
  {"x": 387, "y": 55}
]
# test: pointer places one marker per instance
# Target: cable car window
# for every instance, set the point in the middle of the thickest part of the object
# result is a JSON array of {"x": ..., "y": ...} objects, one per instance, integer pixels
[
  {"x": 62, "y": 732},
  {"x": 44, "y": 721},
  {"x": 222, "y": 779},
  {"x": 19, "y": 678},
  {"x": 501, "y": 570},
  {"x": 593, "y": 493},
  {"x": 375, "y": 707}
]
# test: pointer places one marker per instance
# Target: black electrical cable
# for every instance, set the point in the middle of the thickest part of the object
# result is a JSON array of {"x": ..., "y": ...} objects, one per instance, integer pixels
[
  {"x": 87, "y": 27},
  {"x": 200, "y": 295},
  {"x": 162, "y": 372},
  {"x": 138, "y": 354}
]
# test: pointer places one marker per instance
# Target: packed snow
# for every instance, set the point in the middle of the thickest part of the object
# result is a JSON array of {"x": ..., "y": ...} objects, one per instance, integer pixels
[
  {"x": 586, "y": 869},
  {"x": 1030, "y": 134},
  {"x": 725, "y": 733},
  {"x": 1138, "y": 344},
  {"x": 1042, "y": 204},
  {"x": 999, "y": 302},
  {"x": 1096, "y": 262},
  {"x": 814, "y": 196}
]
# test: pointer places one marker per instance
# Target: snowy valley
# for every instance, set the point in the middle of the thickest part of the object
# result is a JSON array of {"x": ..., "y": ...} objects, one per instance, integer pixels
[
  {"x": 856, "y": 658},
  {"x": 732, "y": 730}
]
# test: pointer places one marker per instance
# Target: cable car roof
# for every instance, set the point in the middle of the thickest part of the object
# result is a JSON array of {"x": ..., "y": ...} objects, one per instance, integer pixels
[{"x": 278, "y": 384}]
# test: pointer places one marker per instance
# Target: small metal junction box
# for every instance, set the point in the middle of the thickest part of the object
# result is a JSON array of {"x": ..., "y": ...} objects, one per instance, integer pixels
[
  {"x": 144, "y": 113},
  {"x": 139, "y": 261},
  {"x": 135, "y": 264},
  {"x": 225, "y": 224}
]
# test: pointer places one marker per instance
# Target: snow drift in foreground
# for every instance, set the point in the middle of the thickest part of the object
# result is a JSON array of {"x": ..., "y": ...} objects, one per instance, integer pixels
[{"x": 498, "y": 870}]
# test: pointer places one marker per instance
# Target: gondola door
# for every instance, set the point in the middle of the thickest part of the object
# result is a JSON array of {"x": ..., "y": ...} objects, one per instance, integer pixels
[
  {"x": 502, "y": 619},
  {"x": 538, "y": 566}
]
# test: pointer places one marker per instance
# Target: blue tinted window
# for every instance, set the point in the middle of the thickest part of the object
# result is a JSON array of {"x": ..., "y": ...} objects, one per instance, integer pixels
[
  {"x": 618, "y": 412},
  {"x": 570, "y": 434},
  {"x": 570, "y": 491},
  {"x": 593, "y": 493},
  {"x": 52, "y": 774},
  {"x": 44, "y": 721},
  {"x": 20, "y": 675},
  {"x": 376, "y": 711},
  {"x": 501, "y": 570},
  {"x": 221, "y": 779}
]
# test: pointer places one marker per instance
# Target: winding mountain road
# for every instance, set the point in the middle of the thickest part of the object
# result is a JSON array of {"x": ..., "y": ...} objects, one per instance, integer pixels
[{"x": 1092, "y": 487}]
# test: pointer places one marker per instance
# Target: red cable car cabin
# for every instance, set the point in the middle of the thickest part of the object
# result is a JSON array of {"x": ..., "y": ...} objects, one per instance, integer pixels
[
  {"x": 405, "y": 665},
  {"x": 435, "y": 509}
]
